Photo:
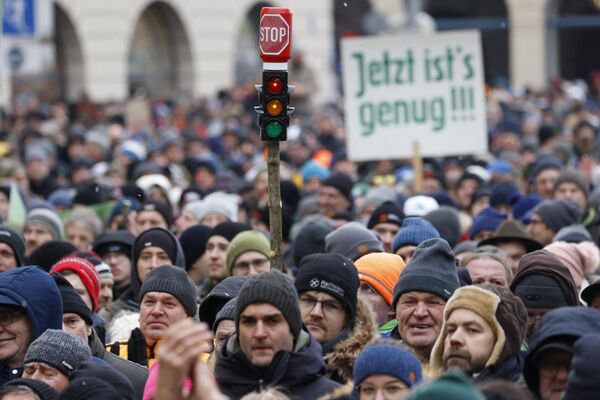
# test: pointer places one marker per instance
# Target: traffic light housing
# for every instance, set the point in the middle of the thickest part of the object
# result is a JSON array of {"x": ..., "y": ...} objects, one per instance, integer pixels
[{"x": 274, "y": 110}]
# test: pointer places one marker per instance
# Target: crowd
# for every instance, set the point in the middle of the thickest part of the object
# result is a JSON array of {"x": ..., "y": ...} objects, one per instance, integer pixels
[{"x": 135, "y": 260}]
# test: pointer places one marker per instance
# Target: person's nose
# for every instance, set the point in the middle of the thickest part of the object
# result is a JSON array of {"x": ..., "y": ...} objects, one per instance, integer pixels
[
  {"x": 421, "y": 310},
  {"x": 317, "y": 310}
]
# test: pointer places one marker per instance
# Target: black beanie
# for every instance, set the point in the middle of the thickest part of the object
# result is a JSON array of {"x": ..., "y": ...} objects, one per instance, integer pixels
[
  {"x": 16, "y": 242},
  {"x": 541, "y": 291},
  {"x": 108, "y": 374},
  {"x": 229, "y": 230},
  {"x": 432, "y": 269},
  {"x": 311, "y": 238},
  {"x": 114, "y": 242},
  {"x": 174, "y": 281},
  {"x": 90, "y": 389},
  {"x": 330, "y": 273},
  {"x": 42, "y": 389},
  {"x": 557, "y": 214},
  {"x": 343, "y": 184},
  {"x": 50, "y": 253},
  {"x": 274, "y": 288},
  {"x": 72, "y": 301},
  {"x": 158, "y": 237},
  {"x": 225, "y": 290},
  {"x": 193, "y": 242},
  {"x": 163, "y": 209},
  {"x": 387, "y": 212},
  {"x": 583, "y": 383}
]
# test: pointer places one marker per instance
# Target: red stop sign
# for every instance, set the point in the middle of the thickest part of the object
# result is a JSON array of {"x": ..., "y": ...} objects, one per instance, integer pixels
[{"x": 275, "y": 34}]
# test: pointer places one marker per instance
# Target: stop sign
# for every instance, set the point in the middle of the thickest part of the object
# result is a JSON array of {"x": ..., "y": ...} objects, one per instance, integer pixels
[{"x": 275, "y": 34}]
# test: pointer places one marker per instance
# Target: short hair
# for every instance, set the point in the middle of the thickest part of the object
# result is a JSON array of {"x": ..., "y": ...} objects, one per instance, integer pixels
[
  {"x": 86, "y": 218},
  {"x": 499, "y": 256}
]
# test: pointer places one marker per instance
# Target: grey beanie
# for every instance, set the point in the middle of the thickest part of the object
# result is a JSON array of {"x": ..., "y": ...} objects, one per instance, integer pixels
[
  {"x": 573, "y": 234},
  {"x": 59, "y": 349},
  {"x": 48, "y": 219},
  {"x": 226, "y": 313},
  {"x": 274, "y": 288},
  {"x": 174, "y": 281},
  {"x": 432, "y": 269},
  {"x": 353, "y": 240},
  {"x": 445, "y": 220},
  {"x": 557, "y": 214},
  {"x": 571, "y": 175}
]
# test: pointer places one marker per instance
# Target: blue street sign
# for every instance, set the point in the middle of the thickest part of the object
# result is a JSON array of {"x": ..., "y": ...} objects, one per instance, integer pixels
[{"x": 18, "y": 18}]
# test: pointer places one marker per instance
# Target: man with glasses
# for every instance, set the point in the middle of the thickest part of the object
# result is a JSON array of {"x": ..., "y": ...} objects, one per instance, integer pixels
[
  {"x": 550, "y": 216},
  {"x": 248, "y": 254},
  {"x": 327, "y": 286},
  {"x": 30, "y": 303}
]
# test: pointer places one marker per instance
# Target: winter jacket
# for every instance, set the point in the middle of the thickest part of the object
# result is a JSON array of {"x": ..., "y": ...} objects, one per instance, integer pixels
[
  {"x": 135, "y": 349},
  {"x": 36, "y": 292},
  {"x": 508, "y": 370},
  {"x": 340, "y": 360},
  {"x": 564, "y": 325},
  {"x": 136, "y": 374},
  {"x": 301, "y": 372}
]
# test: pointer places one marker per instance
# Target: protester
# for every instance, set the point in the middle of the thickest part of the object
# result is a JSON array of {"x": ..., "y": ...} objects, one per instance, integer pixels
[
  {"x": 115, "y": 250},
  {"x": 386, "y": 221},
  {"x": 12, "y": 249},
  {"x": 413, "y": 231},
  {"x": 248, "y": 254},
  {"x": 41, "y": 226}
]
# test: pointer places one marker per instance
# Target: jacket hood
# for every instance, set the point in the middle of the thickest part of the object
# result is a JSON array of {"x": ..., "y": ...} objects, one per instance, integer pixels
[
  {"x": 179, "y": 261},
  {"x": 564, "y": 325},
  {"x": 340, "y": 361},
  {"x": 237, "y": 376},
  {"x": 36, "y": 292}
]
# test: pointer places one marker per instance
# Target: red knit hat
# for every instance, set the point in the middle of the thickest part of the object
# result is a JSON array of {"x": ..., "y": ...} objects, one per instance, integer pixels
[{"x": 86, "y": 272}]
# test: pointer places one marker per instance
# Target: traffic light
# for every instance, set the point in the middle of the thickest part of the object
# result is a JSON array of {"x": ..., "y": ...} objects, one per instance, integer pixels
[{"x": 274, "y": 110}]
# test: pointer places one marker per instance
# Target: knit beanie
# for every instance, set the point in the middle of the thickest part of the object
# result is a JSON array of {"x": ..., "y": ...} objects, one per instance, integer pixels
[
  {"x": 244, "y": 242},
  {"x": 90, "y": 389},
  {"x": 522, "y": 206},
  {"x": 557, "y": 214},
  {"x": 158, "y": 237},
  {"x": 226, "y": 313},
  {"x": 225, "y": 290},
  {"x": 575, "y": 233},
  {"x": 581, "y": 258},
  {"x": 543, "y": 281},
  {"x": 174, "y": 281},
  {"x": 50, "y": 253},
  {"x": 41, "y": 389},
  {"x": 311, "y": 238},
  {"x": 375, "y": 197},
  {"x": 163, "y": 209},
  {"x": 114, "y": 242},
  {"x": 16, "y": 242},
  {"x": 333, "y": 274},
  {"x": 342, "y": 183},
  {"x": 386, "y": 213},
  {"x": 502, "y": 193},
  {"x": 106, "y": 373},
  {"x": 572, "y": 176},
  {"x": 352, "y": 240},
  {"x": 413, "y": 231},
  {"x": 193, "y": 242},
  {"x": 483, "y": 303},
  {"x": 312, "y": 169},
  {"x": 453, "y": 385},
  {"x": 85, "y": 271},
  {"x": 387, "y": 359},
  {"x": 274, "y": 288},
  {"x": 445, "y": 220},
  {"x": 220, "y": 203},
  {"x": 546, "y": 162},
  {"x": 103, "y": 271},
  {"x": 229, "y": 230},
  {"x": 432, "y": 269},
  {"x": 381, "y": 271},
  {"x": 48, "y": 219},
  {"x": 583, "y": 383},
  {"x": 419, "y": 205},
  {"x": 72, "y": 301},
  {"x": 487, "y": 220},
  {"x": 60, "y": 350}
]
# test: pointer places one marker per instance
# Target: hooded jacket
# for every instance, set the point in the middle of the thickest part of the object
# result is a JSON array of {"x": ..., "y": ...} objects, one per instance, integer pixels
[
  {"x": 564, "y": 325},
  {"x": 136, "y": 374},
  {"x": 301, "y": 372},
  {"x": 36, "y": 292},
  {"x": 340, "y": 360}
]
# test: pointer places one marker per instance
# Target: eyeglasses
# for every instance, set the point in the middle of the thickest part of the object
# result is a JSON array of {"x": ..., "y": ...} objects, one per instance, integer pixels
[
  {"x": 330, "y": 307},
  {"x": 257, "y": 264},
  {"x": 551, "y": 368},
  {"x": 7, "y": 317},
  {"x": 389, "y": 392}
]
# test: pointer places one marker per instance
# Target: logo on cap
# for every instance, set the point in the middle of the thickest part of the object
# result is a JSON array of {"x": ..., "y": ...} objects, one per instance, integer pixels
[{"x": 314, "y": 282}]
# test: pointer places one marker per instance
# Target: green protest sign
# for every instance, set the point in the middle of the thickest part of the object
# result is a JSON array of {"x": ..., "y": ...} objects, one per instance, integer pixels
[{"x": 398, "y": 89}]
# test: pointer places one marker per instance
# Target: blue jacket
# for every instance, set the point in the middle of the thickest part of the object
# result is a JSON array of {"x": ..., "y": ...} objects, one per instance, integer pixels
[
  {"x": 564, "y": 325},
  {"x": 36, "y": 292}
]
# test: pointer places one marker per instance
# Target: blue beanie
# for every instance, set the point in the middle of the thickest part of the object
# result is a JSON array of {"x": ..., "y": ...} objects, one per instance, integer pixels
[
  {"x": 413, "y": 231},
  {"x": 487, "y": 220},
  {"x": 502, "y": 194},
  {"x": 386, "y": 359},
  {"x": 522, "y": 206},
  {"x": 312, "y": 169},
  {"x": 432, "y": 269}
]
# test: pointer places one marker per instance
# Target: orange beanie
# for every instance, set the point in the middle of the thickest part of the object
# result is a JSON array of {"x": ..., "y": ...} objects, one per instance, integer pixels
[{"x": 381, "y": 271}]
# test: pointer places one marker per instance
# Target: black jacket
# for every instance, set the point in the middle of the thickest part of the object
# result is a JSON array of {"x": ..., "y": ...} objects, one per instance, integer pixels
[
  {"x": 136, "y": 374},
  {"x": 509, "y": 370},
  {"x": 300, "y": 372}
]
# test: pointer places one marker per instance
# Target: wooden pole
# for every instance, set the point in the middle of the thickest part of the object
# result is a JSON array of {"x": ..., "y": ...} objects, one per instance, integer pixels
[
  {"x": 275, "y": 221},
  {"x": 417, "y": 165}
]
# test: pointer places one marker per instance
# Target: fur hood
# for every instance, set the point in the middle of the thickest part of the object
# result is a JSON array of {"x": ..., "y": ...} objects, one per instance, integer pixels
[{"x": 340, "y": 361}]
